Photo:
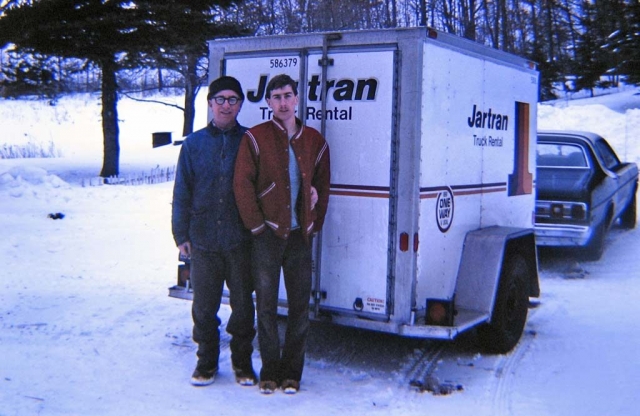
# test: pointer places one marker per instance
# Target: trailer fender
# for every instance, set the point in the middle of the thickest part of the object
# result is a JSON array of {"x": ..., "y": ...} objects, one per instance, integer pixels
[{"x": 482, "y": 261}]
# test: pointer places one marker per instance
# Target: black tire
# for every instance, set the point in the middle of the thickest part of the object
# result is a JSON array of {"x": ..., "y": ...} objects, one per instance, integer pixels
[
  {"x": 594, "y": 249},
  {"x": 509, "y": 316},
  {"x": 628, "y": 217}
]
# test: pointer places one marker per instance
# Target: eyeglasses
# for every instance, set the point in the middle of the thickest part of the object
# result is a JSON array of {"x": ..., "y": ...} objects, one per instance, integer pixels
[{"x": 220, "y": 100}]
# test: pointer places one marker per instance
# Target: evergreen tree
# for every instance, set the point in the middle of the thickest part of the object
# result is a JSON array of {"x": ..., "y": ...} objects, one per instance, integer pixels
[
  {"x": 625, "y": 43},
  {"x": 591, "y": 60},
  {"x": 184, "y": 27},
  {"x": 25, "y": 74},
  {"x": 113, "y": 35}
]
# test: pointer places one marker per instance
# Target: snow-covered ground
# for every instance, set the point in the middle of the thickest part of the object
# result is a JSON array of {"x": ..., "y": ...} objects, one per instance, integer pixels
[{"x": 87, "y": 327}]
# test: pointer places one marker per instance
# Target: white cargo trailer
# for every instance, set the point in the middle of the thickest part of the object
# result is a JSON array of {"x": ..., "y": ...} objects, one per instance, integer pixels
[{"x": 429, "y": 230}]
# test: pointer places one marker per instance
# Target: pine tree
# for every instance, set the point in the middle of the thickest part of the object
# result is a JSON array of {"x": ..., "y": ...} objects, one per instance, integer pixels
[
  {"x": 591, "y": 59},
  {"x": 625, "y": 43},
  {"x": 113, "y": 35}
]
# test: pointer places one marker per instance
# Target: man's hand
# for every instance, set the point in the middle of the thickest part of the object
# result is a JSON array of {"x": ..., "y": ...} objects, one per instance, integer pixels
[
  {"x": 185, "y": 249},
  {"x": 314, "y": 197}
]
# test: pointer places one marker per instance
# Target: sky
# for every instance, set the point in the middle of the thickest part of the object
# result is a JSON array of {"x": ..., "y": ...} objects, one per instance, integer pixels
[{"x": 87, "y": 327}]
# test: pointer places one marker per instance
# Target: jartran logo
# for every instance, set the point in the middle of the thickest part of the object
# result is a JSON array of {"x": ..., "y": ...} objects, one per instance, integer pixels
[
  {"x": 343, "y": 89},
  {"x": 444, "y": 209}
]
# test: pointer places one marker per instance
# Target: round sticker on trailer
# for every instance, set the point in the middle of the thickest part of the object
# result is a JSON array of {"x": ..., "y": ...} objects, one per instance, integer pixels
[{"x": 444, "y": 209}]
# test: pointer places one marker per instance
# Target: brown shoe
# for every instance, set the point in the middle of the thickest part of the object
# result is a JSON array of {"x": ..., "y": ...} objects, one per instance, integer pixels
[
  {"x": 245, "y": 377},
  {"x": 203, "y": 376},
  {"x": 268, "y": 386},
  {"x": 290, "y": 386}
]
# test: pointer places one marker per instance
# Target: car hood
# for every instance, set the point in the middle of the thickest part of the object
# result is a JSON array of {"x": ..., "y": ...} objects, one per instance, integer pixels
[{"x": 563, "y": 184}]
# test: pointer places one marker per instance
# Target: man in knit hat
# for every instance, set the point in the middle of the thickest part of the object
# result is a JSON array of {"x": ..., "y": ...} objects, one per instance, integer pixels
[{"x": 207, "y": 229}]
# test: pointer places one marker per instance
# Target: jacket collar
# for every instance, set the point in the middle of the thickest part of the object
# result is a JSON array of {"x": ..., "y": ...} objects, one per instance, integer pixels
[
  {"x": 215, "y": 130},
  {"x": 280, "y": 126}
]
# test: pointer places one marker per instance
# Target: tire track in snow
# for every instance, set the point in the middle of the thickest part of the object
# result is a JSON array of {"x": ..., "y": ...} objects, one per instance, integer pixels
[
  {"x": 506, "y": 367},
  {"x": 421, "y": 365}
]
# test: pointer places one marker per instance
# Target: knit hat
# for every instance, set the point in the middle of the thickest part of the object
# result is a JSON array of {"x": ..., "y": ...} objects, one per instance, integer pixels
[{"x": 225, "y": 83}]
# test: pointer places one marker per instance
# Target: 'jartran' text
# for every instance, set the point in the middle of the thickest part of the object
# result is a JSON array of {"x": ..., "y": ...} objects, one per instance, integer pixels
[
  {"x": 341, "y": 91},
  {"x": 344, "y": 89},
  {"x": 487, "y": 119}
]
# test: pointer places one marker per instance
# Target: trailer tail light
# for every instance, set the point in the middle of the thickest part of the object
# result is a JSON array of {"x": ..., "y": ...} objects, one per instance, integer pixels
[
  {"x": 184, "y": 271},
  {"x": 440, "y": 312},
  {"x": 432, "y": 33},
  {"x": 404, "y": 242},
  {"x": 182, "y": 290}
]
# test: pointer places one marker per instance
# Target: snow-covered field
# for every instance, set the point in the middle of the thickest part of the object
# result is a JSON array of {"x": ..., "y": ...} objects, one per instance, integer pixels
[{"x": 87, "y": 327}]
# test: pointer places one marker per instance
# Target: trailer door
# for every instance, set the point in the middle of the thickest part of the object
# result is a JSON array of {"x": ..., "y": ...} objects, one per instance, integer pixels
[{"x": 353, "y": 259}]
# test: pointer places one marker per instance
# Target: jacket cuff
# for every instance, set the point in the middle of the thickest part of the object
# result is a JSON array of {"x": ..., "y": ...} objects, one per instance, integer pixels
[{"x": 259, "y": 230}]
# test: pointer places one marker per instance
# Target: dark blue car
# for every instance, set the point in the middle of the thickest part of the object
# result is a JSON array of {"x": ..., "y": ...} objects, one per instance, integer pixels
[{"x": 582, "y": 188}]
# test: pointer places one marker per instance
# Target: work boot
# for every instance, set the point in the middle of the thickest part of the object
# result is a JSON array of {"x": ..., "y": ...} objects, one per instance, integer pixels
[
  {"x": 245, "y": 377},
  {"x": 203, "y": 376},
  {"x": 268, "y": 386},
  {"x": 290, "y": 386}
]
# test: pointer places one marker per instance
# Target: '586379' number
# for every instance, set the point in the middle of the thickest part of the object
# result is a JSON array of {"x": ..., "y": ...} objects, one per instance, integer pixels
[{"x": 283, "y": 62}]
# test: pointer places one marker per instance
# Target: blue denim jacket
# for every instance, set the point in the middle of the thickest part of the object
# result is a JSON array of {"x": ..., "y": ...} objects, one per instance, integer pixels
[{"x": 204, "y": 209}]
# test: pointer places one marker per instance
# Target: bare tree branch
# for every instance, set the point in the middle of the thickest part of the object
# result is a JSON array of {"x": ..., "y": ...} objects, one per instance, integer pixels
[{"x": 144, "y": 100}]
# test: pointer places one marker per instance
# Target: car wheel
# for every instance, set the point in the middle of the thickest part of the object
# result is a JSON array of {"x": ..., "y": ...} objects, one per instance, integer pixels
[
  {"x": 509, "y": 316},
  {"x": 595, "y": 247},
  {"x": 628, "y": 217}
]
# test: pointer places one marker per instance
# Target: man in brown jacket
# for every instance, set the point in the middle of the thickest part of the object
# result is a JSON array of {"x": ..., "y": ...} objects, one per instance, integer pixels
[{"x": 282, "y": 169}]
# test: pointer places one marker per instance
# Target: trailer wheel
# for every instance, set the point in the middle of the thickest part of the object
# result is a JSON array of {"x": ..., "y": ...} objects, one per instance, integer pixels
[
  {"x": 628, "y": 217},
  {"x": 509, "y": 316}
]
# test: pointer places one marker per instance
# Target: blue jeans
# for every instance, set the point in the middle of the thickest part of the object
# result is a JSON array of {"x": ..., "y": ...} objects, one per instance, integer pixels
[
  {"x": 293, "y": 256},
  {"x": 209, "y": 271}
]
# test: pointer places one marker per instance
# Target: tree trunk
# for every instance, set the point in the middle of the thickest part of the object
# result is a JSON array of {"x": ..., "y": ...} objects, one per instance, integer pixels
[
  {"x": 469, "y": 20},
  {"x": 110, "y": 132},
  {"x": 423, "y": 13},
  {"x": 190, "y": 90}
]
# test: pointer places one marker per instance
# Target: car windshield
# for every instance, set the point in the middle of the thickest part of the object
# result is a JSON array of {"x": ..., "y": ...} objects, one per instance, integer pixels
[{"x": 560, "y": 155}]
